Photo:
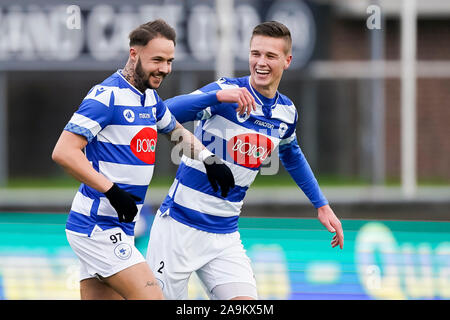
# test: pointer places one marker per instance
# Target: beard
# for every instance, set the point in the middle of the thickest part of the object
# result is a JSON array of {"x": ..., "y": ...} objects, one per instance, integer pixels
[{"x": 142, "y": 79}]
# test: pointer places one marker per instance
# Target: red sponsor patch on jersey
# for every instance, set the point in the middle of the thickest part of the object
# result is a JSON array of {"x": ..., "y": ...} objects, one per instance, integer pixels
[
  {"x": 249, "y": 149},
  {"x": 143, "y": 145}
]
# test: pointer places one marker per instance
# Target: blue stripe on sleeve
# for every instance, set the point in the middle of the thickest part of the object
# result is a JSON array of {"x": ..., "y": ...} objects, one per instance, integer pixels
[
  {"x": 170, "y": 126},
  {"x": 80, "y": 131},
  {"x": 294, "y": 161},
  {"x": 160, "y": 110}
]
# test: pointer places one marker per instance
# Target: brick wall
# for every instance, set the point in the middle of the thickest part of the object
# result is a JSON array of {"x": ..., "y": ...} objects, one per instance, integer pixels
[{"x": 349, "y": 41}]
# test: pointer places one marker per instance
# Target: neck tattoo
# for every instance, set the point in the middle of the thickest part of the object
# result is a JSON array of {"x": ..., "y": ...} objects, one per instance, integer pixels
[{"x": 128, "y": 73}]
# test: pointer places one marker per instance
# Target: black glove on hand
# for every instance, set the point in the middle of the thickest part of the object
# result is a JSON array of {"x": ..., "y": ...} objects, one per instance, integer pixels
[
  {"x": 219, "y": 173},
  {"x": 124, "y": 203}
]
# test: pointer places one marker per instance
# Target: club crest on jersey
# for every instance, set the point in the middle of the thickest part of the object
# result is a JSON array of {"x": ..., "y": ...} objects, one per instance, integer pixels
[
  {"x": 243, "y": 117},
  {"x": 143, "y": 145},
  {"x": 123, "y": 251},
  {"x": 129, "y": 115},
  {"x": 282, "y": 129},
  {"x": 249, "y": 150}
]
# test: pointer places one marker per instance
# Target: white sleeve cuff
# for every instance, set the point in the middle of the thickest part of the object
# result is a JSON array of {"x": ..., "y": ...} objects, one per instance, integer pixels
[{"x": 205, "y": 153}]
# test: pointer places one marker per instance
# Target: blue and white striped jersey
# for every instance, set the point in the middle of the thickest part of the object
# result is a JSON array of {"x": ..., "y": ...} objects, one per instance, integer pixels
[
  {"x": 243, "y": 142},
  {"x": 120, "y": 124}
]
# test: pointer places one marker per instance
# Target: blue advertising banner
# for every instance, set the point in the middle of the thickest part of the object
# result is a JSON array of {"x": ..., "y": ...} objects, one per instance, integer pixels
[{"x": 292, "y": 259}]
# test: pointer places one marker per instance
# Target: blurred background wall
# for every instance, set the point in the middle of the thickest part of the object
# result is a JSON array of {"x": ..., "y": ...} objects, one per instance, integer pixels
[{"x": 47, "y": 68}]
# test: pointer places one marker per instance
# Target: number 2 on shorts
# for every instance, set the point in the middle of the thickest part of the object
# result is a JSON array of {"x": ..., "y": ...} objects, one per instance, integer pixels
[{"x": 161, "y": 267}]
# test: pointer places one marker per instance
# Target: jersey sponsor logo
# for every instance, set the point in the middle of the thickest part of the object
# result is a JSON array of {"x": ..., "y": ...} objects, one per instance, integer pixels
[
  {"x": 129, "y": 115},
  {"x": 249, "y": 150},
  {"x": 123, "y": 251},
  {"x": 282, "y": 129},
  {"x": 143, "y": 145}
]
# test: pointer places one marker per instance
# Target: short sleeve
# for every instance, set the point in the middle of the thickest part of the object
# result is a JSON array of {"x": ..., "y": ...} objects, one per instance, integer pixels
[
  {"x": 93, "y": 114},
  {"x": 165, "y": 121}
]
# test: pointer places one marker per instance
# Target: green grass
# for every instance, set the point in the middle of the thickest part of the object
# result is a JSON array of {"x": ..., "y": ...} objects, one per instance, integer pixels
[
  {"x": 285, "y": 180},
  {"x": 46, "y": 183},
  {"x": 280, "y": 180},
  {"x": 66, "y": 182}
]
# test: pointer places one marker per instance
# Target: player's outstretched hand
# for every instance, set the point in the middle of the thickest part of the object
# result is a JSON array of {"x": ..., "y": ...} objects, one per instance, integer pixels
[
  {"x": 124, "y": 203},
  {"x": 331, "y": 222},
  {"x": 219, "y": 174}
]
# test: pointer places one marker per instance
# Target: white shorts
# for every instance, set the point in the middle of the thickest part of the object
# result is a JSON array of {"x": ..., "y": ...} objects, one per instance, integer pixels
[
  {"x": 105, "y": 252},
  {"x": 175, "y": 250}
]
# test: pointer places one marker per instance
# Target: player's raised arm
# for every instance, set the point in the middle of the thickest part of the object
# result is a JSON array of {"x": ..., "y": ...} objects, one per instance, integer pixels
[
  {"x": 218, "y": 173},
  {"x": 189, "y": 107},
  {"x": 245, "y": 101}
]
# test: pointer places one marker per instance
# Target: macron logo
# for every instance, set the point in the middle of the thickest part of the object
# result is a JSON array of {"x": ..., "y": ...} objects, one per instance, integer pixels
[
  {"x": 99, "y": 91},
  {"x": 264, "y": 124}
]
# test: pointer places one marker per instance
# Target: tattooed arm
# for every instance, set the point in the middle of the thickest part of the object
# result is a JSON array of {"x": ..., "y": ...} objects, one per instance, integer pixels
[
  {"x": 188, "y": 143},
  {"x": 218, "y": 173}
]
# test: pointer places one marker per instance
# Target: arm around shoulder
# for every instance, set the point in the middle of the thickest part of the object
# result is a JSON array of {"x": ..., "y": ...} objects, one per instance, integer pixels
[{"x": 187, "y": 107}]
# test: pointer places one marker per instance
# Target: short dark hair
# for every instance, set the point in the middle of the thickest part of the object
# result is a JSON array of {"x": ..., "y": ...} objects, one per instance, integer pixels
[
  {"x": 150, "y": 30},
  {"x": 274, "y": 29}
]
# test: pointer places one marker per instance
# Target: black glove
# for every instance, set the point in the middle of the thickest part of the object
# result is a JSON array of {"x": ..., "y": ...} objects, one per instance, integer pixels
[
  {"x": 219, "y": 173},
  {"x": 124, "y": 203}
]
